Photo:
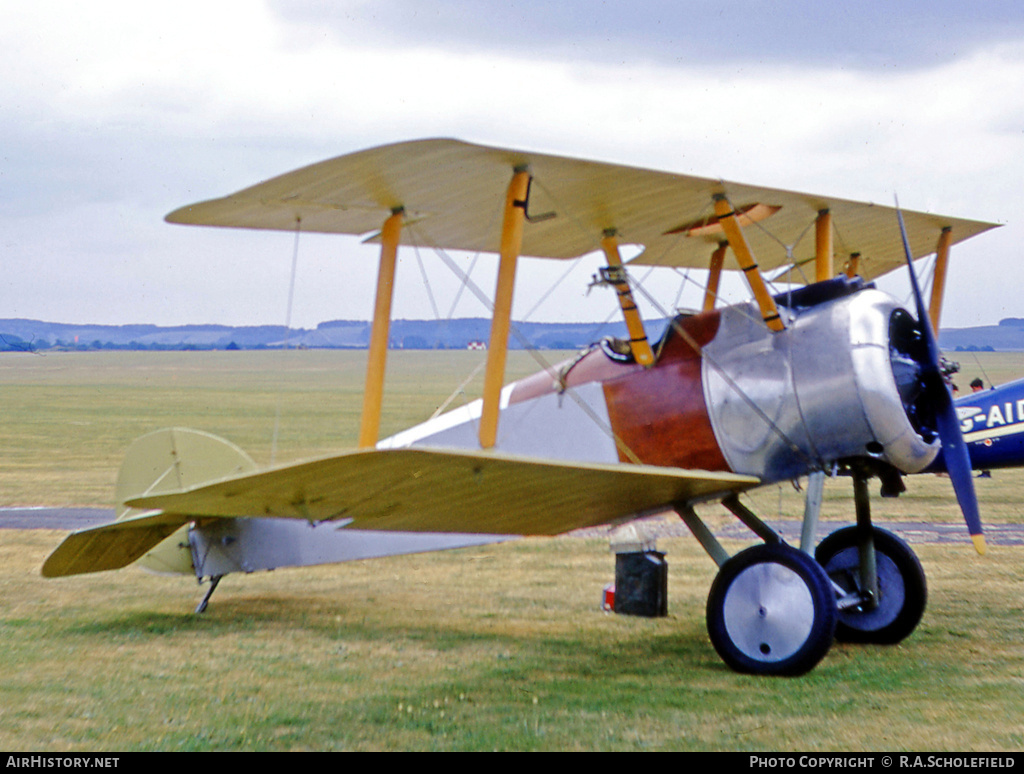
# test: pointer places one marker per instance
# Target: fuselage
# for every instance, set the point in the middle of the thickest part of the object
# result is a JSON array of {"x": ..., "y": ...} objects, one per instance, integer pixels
[
  {"x": 727, "y": 394},
  {"x": 992, "y": 423}
]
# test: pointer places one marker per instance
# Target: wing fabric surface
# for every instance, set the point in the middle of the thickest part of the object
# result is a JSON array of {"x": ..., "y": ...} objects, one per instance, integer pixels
[
  {"x": 111, "y": 546},
  {"x": 432, "y": 490},
  {"x": 451, "y": 192}
]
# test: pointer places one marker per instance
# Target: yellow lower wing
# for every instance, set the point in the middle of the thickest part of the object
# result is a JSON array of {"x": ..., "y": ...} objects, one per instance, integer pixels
[
  {"x": 415, "y": 490},
  {"x": 429, "y": 490}
]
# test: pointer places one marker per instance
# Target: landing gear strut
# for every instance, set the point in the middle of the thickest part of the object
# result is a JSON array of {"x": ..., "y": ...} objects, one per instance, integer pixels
[
  {"x": 880, "y": 582},
  {"x": 901, "y": 588},
  {"x": 771, "y": 609},
  {"x": 775, "y": 610}
]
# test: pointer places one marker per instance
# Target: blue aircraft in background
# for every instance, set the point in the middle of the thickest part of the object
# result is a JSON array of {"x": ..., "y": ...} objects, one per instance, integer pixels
[{"x": 992, "y": 424}]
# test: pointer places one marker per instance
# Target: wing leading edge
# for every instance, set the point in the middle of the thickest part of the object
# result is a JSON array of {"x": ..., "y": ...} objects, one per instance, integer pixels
[
  {"x": 408, "y": 490},
  {"x": 428, "y": 490},
  {"x": 450, "y": 191}
]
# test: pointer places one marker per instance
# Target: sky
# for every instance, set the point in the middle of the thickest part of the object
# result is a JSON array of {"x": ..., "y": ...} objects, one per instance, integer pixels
[{"x": 113, "y": 114}]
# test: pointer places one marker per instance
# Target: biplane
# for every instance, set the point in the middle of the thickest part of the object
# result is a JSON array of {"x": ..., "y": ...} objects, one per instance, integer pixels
[{"x": 831, "y": 376}]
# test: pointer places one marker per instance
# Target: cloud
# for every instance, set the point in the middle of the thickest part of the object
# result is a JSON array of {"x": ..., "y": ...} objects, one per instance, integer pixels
[{"x": 116, "y": 113}]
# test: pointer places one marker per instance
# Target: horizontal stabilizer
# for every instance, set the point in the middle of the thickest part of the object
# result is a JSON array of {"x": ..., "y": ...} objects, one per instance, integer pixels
[
  {"x": 110, "y": 546},
  {"x": 428, "y": 490}
]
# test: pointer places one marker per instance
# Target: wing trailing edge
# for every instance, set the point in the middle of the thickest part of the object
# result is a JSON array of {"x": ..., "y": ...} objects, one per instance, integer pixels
[
  {"x": 428, "y": 490},
  {"x": 111, "y": 546}
]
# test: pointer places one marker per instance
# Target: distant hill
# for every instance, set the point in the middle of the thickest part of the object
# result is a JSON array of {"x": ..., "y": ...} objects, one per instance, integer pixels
[
  {"x": 1007, "y": 336},
  {"x": 19, "y": 334}
]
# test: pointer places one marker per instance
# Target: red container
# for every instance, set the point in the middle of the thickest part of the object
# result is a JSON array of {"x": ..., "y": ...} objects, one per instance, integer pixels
[{"x": 609, "y": 598}]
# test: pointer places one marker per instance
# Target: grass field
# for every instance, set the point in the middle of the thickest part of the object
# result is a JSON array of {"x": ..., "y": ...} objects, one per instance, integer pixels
[
  {"x": 500, "y": 647},
  {"x": 69, "y": 416}
]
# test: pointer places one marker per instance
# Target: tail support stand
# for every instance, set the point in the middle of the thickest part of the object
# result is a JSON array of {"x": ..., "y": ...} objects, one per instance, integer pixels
[{"x": 214, "y": 581}]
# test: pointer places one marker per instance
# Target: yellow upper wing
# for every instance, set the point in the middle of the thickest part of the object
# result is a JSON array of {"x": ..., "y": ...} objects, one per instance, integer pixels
[
  {"x": 448, "y": 491},
  {"x": 453, "y": 191}
]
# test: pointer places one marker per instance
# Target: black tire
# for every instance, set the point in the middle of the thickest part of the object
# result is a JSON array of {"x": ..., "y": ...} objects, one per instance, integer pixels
[
  {"x": 902, "y": 590},
  {"x": 771, "y": 611}
]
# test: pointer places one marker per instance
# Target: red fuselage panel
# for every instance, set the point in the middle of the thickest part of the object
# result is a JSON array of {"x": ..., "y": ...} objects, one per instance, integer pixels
[{"x": 660, "y": 413}]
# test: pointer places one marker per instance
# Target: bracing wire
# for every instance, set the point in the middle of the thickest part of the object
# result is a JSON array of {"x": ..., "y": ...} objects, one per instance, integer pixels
[
  {"x": 462, "y": 286},
  {"x": 287, "y": 333},
  {"x": 460, "y": 390},
  {"x": 638, "y": 284},
  {"x": 543, "y": 362},
  {"x": 691, "y": 342},
  {"x": 977, "y": 360},
  {"x": 426, "y": 282},
  {"x": 465, "y": 282},
  {"x": 544, "y": 297},
  {"x": 682, "y": 287}
]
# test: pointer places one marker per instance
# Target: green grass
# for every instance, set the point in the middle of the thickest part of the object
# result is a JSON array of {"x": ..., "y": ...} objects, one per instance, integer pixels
[
  {"x": 500, "y": 647},
  {"x": 69, "y": 416}
]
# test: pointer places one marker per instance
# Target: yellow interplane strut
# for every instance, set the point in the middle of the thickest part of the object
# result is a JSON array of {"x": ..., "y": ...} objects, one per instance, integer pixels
[
  {"x": 638, "y": 342},
  {"x": 738, "y": 243},
  {"x": 823, "y": 263},
  {"x": 939, "y": 278},
  {"x": 715, "y": 276},
  {"x": 853, "y": 265},
  {"x": 373, "y": 393},
  {"x": 497, "y": 348}
]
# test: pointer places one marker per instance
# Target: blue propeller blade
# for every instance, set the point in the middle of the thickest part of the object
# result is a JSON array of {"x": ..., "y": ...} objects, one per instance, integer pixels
[{"x": 954, "y": 450}]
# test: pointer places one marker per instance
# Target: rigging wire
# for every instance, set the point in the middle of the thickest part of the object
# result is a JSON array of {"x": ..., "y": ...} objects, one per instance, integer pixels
[
  {"x": 287, "y": 333},
  {"x": 462, "y": 286},
  {"x": 682, "y": 287},
  {"x": 638, "y": 284},
  {"x": 789, "y": 248},
  {"x": 535, "y": 354},
  {"x": 460, "y": 390},
  {"x": 697, "y": 348},
  {"x": 731, "y": 382},
  {"x": 426, "y": 282},
  {"x": 464, "y": 283},
  {"x": 928, "y": 278},
  {"x": 977, "y": 360},
  {"x": 572, "y": 265}
]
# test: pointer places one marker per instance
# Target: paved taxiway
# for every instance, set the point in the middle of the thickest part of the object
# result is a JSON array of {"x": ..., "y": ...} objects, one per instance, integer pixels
[{"x": 69, "y": 519}]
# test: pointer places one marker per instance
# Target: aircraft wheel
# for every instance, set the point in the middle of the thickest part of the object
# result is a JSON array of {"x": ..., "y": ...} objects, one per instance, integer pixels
[
  {"x": 771, "y": 611},
  {"x": 902, "y": 591}
]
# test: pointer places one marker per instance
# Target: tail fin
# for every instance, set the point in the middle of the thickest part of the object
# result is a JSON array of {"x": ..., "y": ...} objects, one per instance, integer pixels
[
  {"x": 175, "y": 459},
  {"x": 163, "y": 462}
]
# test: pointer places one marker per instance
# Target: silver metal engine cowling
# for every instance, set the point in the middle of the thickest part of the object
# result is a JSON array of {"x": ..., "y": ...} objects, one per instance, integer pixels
[{"x": 821, "y": 391}]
